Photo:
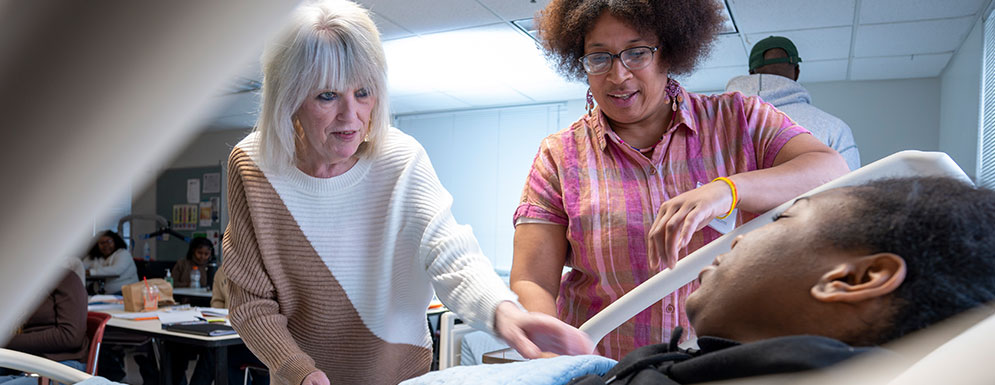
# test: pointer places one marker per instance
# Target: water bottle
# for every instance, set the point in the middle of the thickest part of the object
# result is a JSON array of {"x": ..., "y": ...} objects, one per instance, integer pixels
[
  {"x": 147, "y": 252},
  {"x": 195, "y": 278},
  {"x": 169, "y": 277}
]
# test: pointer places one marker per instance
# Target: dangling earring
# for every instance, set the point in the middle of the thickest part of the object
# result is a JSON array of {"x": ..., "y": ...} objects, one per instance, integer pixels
[
  {"x": 590, "y": 102},
  {"x": 673, "y": 94},
  {"x": 298, "y": 129}
]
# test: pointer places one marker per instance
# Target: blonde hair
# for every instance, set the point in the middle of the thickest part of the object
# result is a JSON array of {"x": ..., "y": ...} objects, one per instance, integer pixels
[{"x": 328, "y": 44}]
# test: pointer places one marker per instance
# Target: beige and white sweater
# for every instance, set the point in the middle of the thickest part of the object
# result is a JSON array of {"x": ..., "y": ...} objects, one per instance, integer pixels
[{"x": 335, "y": 274}]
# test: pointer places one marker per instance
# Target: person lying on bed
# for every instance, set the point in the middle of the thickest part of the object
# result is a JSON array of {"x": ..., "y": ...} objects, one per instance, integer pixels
[{"x": 834, "y": 276}]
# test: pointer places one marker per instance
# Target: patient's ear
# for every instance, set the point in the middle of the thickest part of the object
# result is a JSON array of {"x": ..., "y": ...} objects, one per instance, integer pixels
[{"x": 861, "y": 278}]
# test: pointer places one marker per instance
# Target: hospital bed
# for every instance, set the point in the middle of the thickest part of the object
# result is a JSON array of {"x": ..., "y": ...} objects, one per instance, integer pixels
[
  {"x": 42, "y": 366},
  {"x": 952, "y": 350},
  {"x": 901, "y": 164}
]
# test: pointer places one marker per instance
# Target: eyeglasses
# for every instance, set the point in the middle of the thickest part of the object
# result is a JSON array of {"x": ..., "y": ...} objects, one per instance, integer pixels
[{"x": 633, "y": 58}]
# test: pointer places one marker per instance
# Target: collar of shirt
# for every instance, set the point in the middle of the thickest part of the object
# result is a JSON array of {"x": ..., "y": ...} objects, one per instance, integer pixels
[{"x": 598, "y": 122}]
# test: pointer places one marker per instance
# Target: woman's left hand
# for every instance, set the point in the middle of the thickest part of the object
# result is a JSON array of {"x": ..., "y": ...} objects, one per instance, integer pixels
[
  {"x": 531, "y": 334},
  {"x": 680, "y": 217}
]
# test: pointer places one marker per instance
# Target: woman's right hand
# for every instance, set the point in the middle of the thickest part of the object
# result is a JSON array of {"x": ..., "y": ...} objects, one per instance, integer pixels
[
  {"x": 680, "y": 217},
  {"x": 316, "y": 378}
]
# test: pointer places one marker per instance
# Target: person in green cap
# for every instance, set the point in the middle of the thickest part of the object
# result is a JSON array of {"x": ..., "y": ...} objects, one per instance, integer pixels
[{"x": 774, "y": 77}]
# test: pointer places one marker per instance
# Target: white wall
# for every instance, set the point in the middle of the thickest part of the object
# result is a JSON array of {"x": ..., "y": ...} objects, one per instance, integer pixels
[
  {"x": 960, "y": 102},
  {"x": 483, "y": 157},
  {"x": 886, "y": 116}
]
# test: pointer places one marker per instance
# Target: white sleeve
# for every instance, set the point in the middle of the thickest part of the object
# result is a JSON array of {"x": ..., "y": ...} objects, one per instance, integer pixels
[
  {"x": 461, "y": 274},
  {"x": 119, "y": 262}
]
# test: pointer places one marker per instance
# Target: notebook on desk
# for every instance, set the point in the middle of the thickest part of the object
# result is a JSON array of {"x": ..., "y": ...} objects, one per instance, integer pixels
[{"x": 204, "y": 329}]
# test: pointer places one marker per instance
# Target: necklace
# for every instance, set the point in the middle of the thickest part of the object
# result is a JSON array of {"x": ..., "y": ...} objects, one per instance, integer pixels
[
  {"x": 650, "y": 148},
  {"x": 647, "y": 149}
]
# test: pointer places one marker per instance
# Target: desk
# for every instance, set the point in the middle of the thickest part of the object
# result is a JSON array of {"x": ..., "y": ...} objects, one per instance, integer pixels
[
  {"x": 218, "y": 346},
  {"x": 195, "y": 296}
]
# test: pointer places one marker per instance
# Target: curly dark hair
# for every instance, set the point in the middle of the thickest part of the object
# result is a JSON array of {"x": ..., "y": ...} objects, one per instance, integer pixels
[
  {"x": 197, "y": 243},
  {"x": 943, "y": 228},
  {"x": 118, "y": 243},
  {"x": 685, "y": 29}
]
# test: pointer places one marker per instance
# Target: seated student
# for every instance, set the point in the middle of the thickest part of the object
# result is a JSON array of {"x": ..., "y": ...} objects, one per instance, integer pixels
[
  {"x": 56, "y": 330},
  {"x": 200, "y": 251},
  {"x": 109, "y": 256},
  {"x": 834, "y": 276}
]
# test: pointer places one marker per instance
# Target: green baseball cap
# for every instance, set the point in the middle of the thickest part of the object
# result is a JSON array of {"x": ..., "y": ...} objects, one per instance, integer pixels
[{"x": 757, "y": 54}]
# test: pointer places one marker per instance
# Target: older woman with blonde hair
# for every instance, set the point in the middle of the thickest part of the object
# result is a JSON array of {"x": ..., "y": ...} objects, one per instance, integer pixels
[{"x": 340, "y": 230}]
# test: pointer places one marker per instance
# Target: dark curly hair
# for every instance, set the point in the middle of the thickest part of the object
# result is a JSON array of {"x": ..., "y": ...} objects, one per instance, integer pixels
[
  {"x": 943, "y": 228},
  {"x": 685, "y": 29},
  {"x": 119, "y": 243}
]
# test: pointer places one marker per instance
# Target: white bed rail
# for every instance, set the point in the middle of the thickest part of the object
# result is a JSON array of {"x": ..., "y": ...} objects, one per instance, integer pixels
[
  {"x": 901, "y": 164},
  {"x": 42, "y": 366}
]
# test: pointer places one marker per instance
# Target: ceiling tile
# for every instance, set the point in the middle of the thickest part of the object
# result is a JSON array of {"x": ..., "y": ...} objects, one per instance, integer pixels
[
  {"x": 235, "y": 110},
  {"x": 899, "y": 67},
  {"x": 886, "y": 11},
  {"x": 389, "y": 30},
  {"x": 514, "y": 10},
  {"x": 813, "y": 44},
  {"x": 431, "y": 101},
  {"x": 920, "y": 37},
  {"x": 422, "y": 17},
  {"x": 754, "y": 16},
  {"x": 727, "y": 51},
  {"x": 553, "y": 91},
  {"x": 822, "y": 71},
  {"x": 710, "y": 80}
]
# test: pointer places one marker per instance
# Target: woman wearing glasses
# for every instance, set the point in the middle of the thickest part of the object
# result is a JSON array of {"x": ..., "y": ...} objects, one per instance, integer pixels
[{"x": 639, "y": 181}]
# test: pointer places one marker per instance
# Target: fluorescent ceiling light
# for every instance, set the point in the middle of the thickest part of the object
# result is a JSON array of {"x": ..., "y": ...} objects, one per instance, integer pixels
[{"x": 494, "y": 61}]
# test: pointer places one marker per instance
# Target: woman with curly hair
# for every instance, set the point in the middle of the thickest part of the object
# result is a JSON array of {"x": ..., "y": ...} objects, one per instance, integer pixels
[{"x": 650, "y": 174}]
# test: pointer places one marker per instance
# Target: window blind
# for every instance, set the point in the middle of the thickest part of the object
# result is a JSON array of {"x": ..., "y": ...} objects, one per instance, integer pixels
[{"x": 986, "y": 153}]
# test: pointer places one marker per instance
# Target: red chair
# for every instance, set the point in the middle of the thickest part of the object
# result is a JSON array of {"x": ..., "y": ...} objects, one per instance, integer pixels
[{"x": 95, "y": 324}]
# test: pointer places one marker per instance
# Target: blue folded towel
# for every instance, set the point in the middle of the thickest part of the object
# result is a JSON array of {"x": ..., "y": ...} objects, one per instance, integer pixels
[{"x": 545, "y": 371}]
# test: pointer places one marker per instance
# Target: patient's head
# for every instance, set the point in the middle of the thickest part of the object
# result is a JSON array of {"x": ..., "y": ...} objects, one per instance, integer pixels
[{"x": 864, "y": 265}]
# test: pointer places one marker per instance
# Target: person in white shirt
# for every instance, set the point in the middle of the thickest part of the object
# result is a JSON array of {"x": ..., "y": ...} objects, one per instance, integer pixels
[{"x": 109, "y": 257}]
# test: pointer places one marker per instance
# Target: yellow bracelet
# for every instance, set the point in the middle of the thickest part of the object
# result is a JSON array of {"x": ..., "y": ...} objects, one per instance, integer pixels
[{"x": 735, "y": 195}]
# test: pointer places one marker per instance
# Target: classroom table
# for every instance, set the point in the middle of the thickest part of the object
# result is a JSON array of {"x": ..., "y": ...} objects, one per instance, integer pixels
[
  {"x": 218, "y": 346},
  {"x": 196, "y": 296}
]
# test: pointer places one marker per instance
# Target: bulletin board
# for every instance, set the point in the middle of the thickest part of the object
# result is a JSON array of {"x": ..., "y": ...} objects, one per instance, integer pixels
[{"x": 191, "y": 199}]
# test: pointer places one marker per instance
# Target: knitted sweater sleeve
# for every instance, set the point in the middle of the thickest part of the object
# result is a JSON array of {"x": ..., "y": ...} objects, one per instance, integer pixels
[
  {"x": 461, "y": 274},
  {"x": 254, "y": 311}
]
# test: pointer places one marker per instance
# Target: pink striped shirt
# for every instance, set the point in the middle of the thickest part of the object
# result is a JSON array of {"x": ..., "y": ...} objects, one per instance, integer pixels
[{"x": 607, "y": 194}]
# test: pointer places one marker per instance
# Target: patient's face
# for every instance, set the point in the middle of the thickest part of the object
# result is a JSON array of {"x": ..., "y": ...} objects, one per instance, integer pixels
[{"x": 760, "y": 289}]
